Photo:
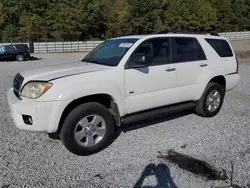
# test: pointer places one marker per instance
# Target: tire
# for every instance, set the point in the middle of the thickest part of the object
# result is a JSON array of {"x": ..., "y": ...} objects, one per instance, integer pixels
[
  {"x": 209, "y": 105},
  {"x": 79, "y": 121},
  {"x": 54, "y": 136},
  {"x": 20, "y": 57}
]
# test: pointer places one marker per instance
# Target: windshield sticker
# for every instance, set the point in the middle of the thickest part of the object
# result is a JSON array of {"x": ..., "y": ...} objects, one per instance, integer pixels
[{"x": 125, "y": 45}]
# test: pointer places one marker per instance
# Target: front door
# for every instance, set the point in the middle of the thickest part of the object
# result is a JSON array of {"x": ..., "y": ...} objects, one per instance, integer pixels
[
  {"x": 9, "y": 51},
  {"x": 155, "y": 85}
]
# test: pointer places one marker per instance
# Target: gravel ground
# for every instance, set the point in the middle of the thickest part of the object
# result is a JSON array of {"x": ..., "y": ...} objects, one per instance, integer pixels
[{"x": 34, "y": 160}]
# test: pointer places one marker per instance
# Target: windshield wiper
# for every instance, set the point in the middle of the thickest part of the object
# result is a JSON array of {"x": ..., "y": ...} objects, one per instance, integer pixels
[
  {"x": 97, "y": 62},
  {"x": 93, "y": 61}
]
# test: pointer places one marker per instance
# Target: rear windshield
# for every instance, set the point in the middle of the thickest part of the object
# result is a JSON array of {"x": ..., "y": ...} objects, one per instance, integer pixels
[{"x": 221, "y": 47}]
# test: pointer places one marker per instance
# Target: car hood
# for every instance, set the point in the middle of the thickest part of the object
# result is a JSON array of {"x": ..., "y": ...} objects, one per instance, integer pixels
[{"x": 62, "y": 70}]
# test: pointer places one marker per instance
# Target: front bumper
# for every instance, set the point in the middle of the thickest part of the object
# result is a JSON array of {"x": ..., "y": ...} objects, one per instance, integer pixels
[{"x": 45, "y": 115}]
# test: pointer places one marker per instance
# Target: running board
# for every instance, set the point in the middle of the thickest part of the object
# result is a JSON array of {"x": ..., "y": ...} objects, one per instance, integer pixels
[{"x": 157, "y": 111}]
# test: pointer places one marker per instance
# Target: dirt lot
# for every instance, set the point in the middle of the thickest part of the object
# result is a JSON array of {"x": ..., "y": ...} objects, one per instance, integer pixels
[{"x": 34, "y": 160}]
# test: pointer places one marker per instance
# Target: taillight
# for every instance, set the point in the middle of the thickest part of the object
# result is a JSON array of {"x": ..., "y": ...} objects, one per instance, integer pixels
[{"x": 237, "y": 65}]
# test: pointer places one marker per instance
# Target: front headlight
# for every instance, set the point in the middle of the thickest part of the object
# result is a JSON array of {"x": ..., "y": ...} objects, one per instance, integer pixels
[{"x": 33, "y": 90}]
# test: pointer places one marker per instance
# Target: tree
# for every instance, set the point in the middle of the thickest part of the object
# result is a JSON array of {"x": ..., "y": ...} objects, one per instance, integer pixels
[
  {"x": 225, "y": 15},
  {"x": 241, "y": 12},
  {"x": 143, "y": 15},
  {"x": 88, "y": 19},
  {"x": 97, "y": 18},
  {"x": 67, "y": 20},
  {"x": 117, "y": 18}
]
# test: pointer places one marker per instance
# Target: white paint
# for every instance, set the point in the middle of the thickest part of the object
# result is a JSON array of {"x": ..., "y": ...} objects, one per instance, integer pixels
[{"x": 133, "y": 90}]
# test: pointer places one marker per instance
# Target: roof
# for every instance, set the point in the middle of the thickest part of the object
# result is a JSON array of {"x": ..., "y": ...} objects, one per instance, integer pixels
[
  {"x": 168, "y": 35},
  {"x": 212, "y": 34},
  {"x": 131, "y": 37}
]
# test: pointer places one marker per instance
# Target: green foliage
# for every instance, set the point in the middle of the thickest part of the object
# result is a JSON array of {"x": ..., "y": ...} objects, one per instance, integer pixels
[
  {"x": 225, "y": 15},
  {"x": 241, "y": 10},
  {"x": 87, "y": 19}
]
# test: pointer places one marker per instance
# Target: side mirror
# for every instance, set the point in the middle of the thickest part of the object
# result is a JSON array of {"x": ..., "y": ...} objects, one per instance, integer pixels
[{"x": 138, "y": 60}]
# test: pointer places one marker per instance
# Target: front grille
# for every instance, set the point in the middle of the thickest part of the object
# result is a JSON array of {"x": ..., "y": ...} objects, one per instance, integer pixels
[{"x": 17, "y": 84}]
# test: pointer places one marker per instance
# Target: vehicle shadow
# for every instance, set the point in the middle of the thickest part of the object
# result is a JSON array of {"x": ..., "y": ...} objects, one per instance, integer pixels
[
  {"x": 153, "y": 121},
  {"x": 148, "y": 122},
  {"x": 32, "y": 58},
  {"x": 161, "y": 173}
]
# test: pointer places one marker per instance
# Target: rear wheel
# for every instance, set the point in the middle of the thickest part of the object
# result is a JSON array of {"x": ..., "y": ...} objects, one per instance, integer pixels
[
  {"x": 87, "y": 129},
  {"x": 211, "y": 101},
  {"x": 20, "y": 57}
]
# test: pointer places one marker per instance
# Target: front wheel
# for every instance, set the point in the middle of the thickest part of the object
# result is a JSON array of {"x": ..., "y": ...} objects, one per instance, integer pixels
[
  {"x": 87, "y": 129},
  {"x": 211, "y": 101}
]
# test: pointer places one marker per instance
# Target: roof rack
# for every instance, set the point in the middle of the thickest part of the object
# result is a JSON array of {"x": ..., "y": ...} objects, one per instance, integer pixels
[{"x": 213, "y": 33}]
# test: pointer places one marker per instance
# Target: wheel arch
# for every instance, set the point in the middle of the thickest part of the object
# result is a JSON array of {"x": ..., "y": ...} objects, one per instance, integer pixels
[
  {"x": 105, "y": 99},
  {"x": 219, "y": 80}
]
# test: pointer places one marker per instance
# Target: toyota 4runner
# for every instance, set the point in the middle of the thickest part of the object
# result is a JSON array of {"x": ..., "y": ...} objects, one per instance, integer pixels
[{"x": 124, "y": 80}]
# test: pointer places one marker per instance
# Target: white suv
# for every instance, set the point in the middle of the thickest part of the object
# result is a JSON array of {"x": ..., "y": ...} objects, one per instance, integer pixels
[{"x": 124, "y": 80}]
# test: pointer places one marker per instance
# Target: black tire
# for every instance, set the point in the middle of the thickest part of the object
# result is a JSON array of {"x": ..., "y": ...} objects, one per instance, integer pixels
[
  {"x": 20, "y": 57},
  {"x": 70, "y": 123},
  {"x": 201, "y": 108},
  {"x": 54, "y": 136}
]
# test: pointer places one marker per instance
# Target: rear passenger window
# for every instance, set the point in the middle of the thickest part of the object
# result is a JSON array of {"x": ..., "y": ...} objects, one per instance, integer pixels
[
  {"x": 221, "y": 47},
  {"x": 186, "y": 49}
]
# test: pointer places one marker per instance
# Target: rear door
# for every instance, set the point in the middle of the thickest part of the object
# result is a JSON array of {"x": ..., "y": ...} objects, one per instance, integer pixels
[
  {"x": 22, "y": 48},
  {"x": 191, "y": 64}
]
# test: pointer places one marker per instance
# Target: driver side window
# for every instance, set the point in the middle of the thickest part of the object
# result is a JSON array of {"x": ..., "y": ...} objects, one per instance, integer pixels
[{"x": 157, "y": 51}]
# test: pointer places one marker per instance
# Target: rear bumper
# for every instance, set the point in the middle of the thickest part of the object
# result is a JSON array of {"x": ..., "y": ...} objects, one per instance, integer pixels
[
  {"x": 45, "y": 115},
  {"x": 231, "y": 81}
]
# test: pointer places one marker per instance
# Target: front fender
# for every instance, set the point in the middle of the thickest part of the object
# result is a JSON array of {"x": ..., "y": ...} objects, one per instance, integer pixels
[{"x": 63, "y": 92}]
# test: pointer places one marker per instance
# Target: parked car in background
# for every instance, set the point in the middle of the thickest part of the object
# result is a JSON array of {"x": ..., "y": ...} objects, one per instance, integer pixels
[{"x": 18, "y": 52}]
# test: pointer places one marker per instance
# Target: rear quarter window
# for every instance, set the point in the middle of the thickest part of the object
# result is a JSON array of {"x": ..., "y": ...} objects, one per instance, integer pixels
[
  {"x": 21, "y": 47},
  {"x": 221, "y": 47}
]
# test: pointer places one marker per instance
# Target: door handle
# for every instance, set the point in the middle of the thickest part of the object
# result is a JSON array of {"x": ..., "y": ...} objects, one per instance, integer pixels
[
  {"x": 203, "y": 65},
  {"x": 170, "y": 69}
]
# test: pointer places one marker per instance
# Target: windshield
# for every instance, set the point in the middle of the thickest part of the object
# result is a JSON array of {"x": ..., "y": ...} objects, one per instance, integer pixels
[
  {"x": 1, "y": 49},
  {"x": 110, "y": 52}
]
